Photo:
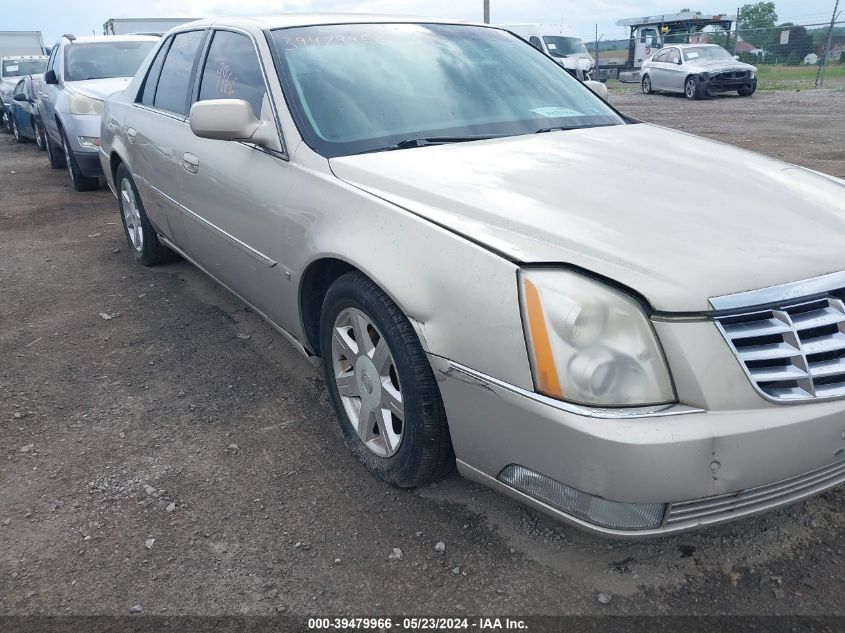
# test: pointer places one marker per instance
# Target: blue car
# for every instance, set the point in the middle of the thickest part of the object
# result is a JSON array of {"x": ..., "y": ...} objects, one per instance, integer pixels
[{"x": 26, "y": 123}]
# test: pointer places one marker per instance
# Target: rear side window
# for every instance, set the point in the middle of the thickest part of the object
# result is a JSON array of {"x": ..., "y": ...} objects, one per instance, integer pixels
[
  {"x": 174, "y": 83},
  {"x": 232, "y": 71},
  {"x": 149, "y": 92}
]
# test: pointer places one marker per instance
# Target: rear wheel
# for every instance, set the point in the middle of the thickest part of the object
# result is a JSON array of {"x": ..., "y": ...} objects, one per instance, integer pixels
[
  {"x": 646, "y": 85},
  {"x": 691, "y": 90},
  {"x": 139, "y": 232},
  {"x": 382, "y": 386},
  {"x": 80, "y": 181}
]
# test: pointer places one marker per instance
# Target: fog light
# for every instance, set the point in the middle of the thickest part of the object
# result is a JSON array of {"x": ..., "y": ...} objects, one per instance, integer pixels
[
  {"x": 609, "y": 514},
  {"x": 89, "y": 141}
]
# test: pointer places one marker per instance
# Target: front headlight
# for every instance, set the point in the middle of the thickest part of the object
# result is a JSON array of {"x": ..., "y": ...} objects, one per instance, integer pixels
[
  {"x": 83, "y": 104},
  {"x": 589, "y": 343}
]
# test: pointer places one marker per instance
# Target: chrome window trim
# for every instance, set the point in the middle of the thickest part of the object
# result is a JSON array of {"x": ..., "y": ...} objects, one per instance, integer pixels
[
  {"x": 781, "y": 293},
  {"x": 246, "y": 248},
  {"x": 619, "y": 413}
]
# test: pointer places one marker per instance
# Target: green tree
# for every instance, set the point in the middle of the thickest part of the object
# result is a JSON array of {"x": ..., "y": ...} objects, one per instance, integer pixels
[{"x": 760, "y": 17}]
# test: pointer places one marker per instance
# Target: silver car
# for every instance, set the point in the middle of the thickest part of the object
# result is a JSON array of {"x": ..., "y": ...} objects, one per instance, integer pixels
[
  {"x": 81, "y": 73},
  {"x": 420, "y": 207},
  {"x": 697, "y": 71}
]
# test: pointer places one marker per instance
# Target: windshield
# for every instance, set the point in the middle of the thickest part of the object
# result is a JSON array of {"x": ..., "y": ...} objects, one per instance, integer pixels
[
  {"x": 699, "y": 53},
  {"x": 98, "y": 60},
  {"x": 364, "y": 87},
  {"x": 21, "y": 67},
  {"x": 563, "y": 46}
]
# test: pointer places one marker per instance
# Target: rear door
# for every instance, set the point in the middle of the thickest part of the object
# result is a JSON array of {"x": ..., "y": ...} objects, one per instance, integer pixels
[
  {"x": 156, "y": 128},
  {"x": 656, "y": 70},
  {"x": 235, "y": 194}
]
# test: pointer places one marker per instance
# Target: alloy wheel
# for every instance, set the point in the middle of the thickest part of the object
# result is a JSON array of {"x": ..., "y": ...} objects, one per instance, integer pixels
[
  {"x": 690, "y": 89},
  {"x": 131, "y": 214},
  {"x": 367, "y": 381},
  {"x": 15, "y": 130}
]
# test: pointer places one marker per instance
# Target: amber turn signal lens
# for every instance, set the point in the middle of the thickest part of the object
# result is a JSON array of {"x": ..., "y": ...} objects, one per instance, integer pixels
[{"x": 546, "y": 377}]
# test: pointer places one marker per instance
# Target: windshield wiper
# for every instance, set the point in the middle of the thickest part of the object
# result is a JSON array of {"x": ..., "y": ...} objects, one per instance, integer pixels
[{"x": 431, "y": 140}]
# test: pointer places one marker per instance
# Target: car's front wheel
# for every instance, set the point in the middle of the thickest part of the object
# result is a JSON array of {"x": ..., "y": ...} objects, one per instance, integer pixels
[
  {"x": 382, "y": 386},
  {"x": 747, "y": 91},
  {"x": 40, "y": 138},
  {"x": 646, "y": 85},
  {"x": 691, "y": 90},
  {"x": 140, "y": 234},
  {"x": 54, "y": 153},
  {"x": 80, "y": 181},
  {"x": 16, "y": 131}
]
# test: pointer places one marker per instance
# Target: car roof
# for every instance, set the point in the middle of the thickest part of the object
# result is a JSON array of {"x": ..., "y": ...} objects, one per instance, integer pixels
[
  {"x": 85, "y": 39},
  {"x": 693, "y": 45},
  {"x": 287, "y": 20}
]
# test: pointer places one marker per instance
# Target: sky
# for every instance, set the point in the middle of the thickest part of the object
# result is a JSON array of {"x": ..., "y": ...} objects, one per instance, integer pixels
[{"x": 55, "y": 17}]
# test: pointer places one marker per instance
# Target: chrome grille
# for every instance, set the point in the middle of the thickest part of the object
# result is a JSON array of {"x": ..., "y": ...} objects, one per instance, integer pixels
[
  {"x": 720, "y": 507},
  {"x": 794, "y": 352}
]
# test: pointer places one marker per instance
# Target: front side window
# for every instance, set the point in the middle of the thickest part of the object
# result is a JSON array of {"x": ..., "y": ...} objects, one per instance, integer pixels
[
  {"x": 23, "y": 67},
  {"x": 232, "y": 71},
  {"x": 563, "y": 46},
  {"x": 98, "y": 60},
  {"x": 364, "y": 87},
  {"x": 174, "y": 83}
]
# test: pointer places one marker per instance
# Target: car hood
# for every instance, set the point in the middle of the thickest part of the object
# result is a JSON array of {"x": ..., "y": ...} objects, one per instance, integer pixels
[
  {"x": 99, "y": 88},
  {"x": 718, "y": 65},
  {"x": 677, "y": 218}
]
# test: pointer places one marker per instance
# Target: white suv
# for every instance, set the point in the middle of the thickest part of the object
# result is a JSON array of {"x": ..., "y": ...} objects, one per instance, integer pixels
[{"x": 81, "y": 73}]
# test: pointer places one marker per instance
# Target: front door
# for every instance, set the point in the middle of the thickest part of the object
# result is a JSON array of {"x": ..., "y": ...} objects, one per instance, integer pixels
[{"x": 234, "y": 194}]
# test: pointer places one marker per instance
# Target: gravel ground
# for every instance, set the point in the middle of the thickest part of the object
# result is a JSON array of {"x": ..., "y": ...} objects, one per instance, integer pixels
[{"x": 179, "y": 457}]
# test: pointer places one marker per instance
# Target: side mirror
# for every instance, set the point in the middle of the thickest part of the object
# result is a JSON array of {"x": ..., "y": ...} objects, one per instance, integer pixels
[
  {"x": 20, "y": 97},
  {"x": 736, "y": 56},
  {"x": 598, "y": 87},
  {"x": 679, "y": 61},
  {"x": 50, "y": 78},
  {"x": 229, "y": 120}
]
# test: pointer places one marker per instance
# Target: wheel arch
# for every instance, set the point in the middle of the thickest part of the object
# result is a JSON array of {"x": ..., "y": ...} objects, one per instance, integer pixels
[{"x": 315, "y": 282}]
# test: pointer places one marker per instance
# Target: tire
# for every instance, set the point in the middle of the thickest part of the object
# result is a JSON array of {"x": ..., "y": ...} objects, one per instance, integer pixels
[
  {"x": 80, "y": 181},
  {"x": 55, "y": 155},
  {"x": 140, "y": 234},
  {"x": 747, "y": 91},
  {"x": 7, "y": 120},
  {"x": 691, "y": 90},
  {"x": 16, "y": 132},
  {"x": 423, "y": 451},
  {"x": 40, "y": 135},
  {"x": 645, "y": 84}
]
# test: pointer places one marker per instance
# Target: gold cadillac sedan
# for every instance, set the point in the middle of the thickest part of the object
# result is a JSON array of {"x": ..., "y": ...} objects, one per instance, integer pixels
[{"x": 492, "y": 267}]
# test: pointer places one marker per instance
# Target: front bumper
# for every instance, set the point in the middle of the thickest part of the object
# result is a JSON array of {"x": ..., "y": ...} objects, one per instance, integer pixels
[
  {"x": 716, "y": 84},
  {"x": 707, "y": 466},
  {"x": 88, "y": 159}
]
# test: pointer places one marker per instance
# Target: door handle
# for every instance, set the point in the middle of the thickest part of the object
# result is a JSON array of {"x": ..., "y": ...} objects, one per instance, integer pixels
[
  {"x": 191, "y": 163},
  {"x": 130, "y": 134}
]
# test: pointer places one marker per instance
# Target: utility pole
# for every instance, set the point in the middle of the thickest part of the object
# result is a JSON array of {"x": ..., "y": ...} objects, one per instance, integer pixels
[
  {"x": 487, "y": 11},
  {"x": 823, "y": 63}
]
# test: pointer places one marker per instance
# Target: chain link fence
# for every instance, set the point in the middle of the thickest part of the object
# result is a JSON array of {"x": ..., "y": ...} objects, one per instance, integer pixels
[{"x": 787, "y": 56}]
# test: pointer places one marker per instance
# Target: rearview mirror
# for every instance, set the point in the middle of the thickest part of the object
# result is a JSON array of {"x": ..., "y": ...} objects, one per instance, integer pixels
[
  {"x": 20, "y": 97},
  {"x": 50, "y": 78},
  {"x": 229, "y": 120},
  {"x": 598, "y": 87}
]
